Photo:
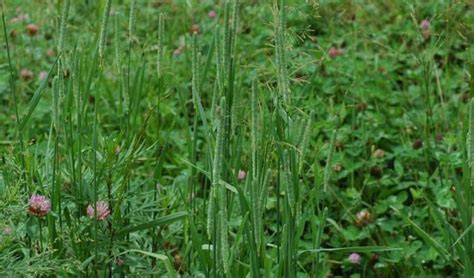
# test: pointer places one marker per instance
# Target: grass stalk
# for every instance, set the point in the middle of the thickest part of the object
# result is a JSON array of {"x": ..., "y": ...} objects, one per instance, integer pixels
[
  {"x": 12, "y": 84},
  {"x": 104, "y": 28}
]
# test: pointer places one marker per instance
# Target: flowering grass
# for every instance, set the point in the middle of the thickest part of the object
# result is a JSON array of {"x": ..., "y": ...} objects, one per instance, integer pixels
[{"x": 236, "y": 139}]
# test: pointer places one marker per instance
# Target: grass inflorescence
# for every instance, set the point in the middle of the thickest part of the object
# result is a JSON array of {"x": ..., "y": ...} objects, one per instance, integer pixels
[{"x": 236, "y": 139}]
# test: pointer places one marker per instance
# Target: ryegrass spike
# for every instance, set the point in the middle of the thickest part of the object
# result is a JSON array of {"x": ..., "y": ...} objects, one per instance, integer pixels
[
  {"x": 467, "y": 207},
  {"x": 222, "y": 198},
  {"x": 55, "y": 108},
  {"x": 62, "y": 31},
  {"x": 161, "y": 35},
  {"x": 131, "y": 20},
  {"x": 327, "y": 170},
  {"x": 304, "y": 141},
  {"x": 103, "y": 28},
  {"x": 254, "y": 129}
]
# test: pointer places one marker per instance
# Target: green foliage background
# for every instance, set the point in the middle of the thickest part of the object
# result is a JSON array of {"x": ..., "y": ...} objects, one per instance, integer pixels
[{"x": 146, "y": 148}]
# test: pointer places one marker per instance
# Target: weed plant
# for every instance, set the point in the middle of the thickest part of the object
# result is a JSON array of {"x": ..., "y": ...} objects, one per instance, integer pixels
[{"x": 236, "y": 139}]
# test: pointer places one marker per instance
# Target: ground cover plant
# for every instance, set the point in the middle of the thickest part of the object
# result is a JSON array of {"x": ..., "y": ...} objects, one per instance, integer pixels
[{"x": 236, "y": 138}]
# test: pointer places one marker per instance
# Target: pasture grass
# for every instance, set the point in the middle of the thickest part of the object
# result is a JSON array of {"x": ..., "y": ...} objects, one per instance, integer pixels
[{"x": 237, "y": 138}]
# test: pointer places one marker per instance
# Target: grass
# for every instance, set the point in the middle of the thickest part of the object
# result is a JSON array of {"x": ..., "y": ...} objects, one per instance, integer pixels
[{"x": 262, "y": 139}]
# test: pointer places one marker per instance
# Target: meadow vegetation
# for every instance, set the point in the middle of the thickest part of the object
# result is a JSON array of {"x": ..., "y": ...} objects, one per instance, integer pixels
[{"x": 233, "y": 138}]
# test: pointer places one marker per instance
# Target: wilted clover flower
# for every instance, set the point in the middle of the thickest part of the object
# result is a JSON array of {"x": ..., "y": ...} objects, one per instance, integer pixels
[
  {"x": 363, "y": 217},
  {"x": 195, "y": 28},
  {"x": 354, "y": 258},
  {"x": 32, "y": 30},
  {"x": 26, "y": 74},
  {"x": 378, "y": 153},
  {"x": 39, "y": 205},
  {"x": 102, "y": 210}
]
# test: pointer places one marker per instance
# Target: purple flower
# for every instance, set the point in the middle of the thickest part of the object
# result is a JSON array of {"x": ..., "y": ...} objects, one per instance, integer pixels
[
  {"x": 102, "y": 210},
  {"x": 334, "y": 52},
  {"x": 425, "y": 24},
  {"x": 43, "y": 75},
  {"x": 241, "y": 175},
  {"x": 354, "y": 258},
  {"x": 39, "y": 205},
  {"x": 178, "y": 51},
  {"x": 212, "y": 14}
]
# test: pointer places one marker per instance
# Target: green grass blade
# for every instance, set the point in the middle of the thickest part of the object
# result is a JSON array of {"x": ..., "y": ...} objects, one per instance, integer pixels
[
  {"x": 159, "y": 221},
  {"x": 358, "y": 249},
  {"x": 36, "y": 97},
  {"x": 463, "y": 234}
]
